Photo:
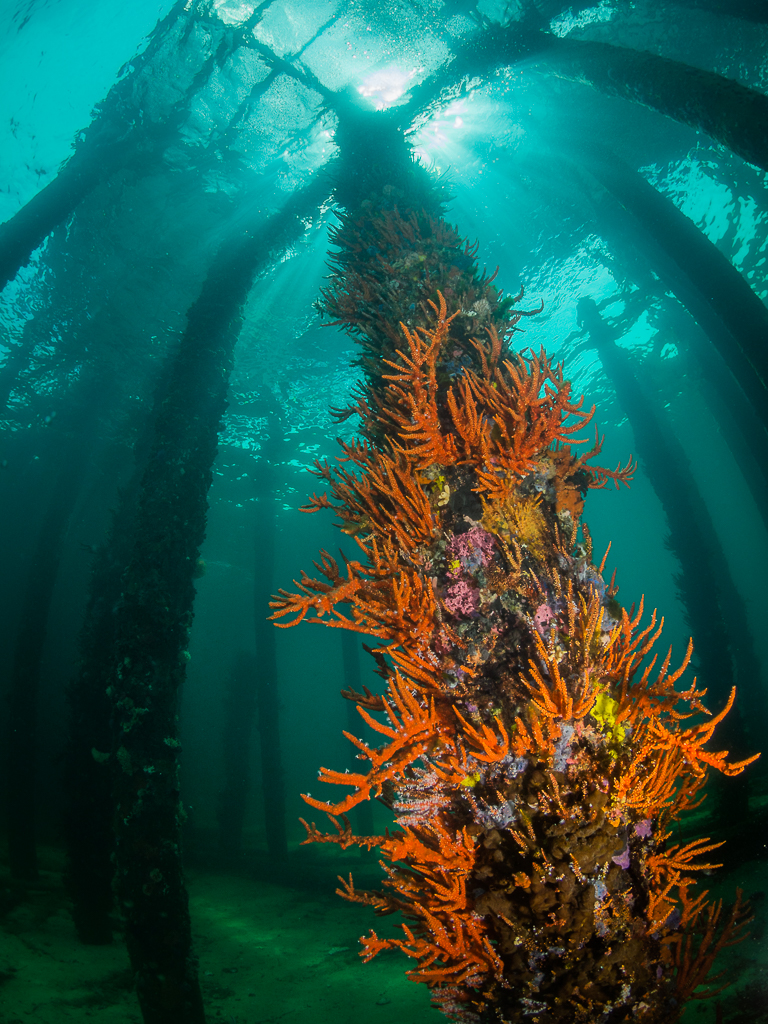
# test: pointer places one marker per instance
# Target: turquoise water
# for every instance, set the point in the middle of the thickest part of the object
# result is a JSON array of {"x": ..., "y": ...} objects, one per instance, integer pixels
[{"x": 207, "y": 136}]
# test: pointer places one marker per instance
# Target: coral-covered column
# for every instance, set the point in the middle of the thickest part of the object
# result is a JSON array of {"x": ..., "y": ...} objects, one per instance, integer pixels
[{"x": 533, "y": 751}]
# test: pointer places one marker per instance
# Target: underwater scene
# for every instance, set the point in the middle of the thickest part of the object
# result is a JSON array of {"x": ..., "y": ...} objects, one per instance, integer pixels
[{"x": 442, "y": 324}]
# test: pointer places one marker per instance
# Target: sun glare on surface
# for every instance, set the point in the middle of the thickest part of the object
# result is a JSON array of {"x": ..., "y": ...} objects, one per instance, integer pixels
[
  {"x": 442, "y": 140},
  {"x": 384, "y": 87},
  {"x": 234, "y": 12}
]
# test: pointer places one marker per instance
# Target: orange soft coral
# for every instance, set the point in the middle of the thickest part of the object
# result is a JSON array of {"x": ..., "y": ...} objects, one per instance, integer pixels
[{"x": 532, "y": 753}]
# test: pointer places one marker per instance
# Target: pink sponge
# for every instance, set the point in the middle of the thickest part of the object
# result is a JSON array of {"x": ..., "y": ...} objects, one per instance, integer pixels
[
  {"x": 543, "y": 617},
  {"x": 461, "y": 599},
  {"x": 473, "y": 549}
]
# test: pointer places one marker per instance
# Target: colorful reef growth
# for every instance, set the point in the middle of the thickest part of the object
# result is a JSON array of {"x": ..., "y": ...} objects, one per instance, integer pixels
[{"x": 534, "y": 750}]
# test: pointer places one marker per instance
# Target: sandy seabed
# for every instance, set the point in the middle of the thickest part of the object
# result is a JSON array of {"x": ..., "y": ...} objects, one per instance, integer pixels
[{"x": 268, "y": 952}]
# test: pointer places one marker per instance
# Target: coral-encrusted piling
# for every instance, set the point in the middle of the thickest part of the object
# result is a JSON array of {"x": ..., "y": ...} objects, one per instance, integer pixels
[{"x": 534, "y": 752}]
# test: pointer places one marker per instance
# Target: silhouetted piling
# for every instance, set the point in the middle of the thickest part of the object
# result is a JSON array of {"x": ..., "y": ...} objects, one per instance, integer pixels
[
  {"x": 108, "y": 143},
  {"x": 266, "y": 678},
  {"x": 87, "y": 775},
  {"x": 724, "y": 647},
  {"x": 701, "y": 276},
  {"x": 240, "y": 712},
  {"x": 71, "y": 451},
  {"x": 731, "y": 114}
]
